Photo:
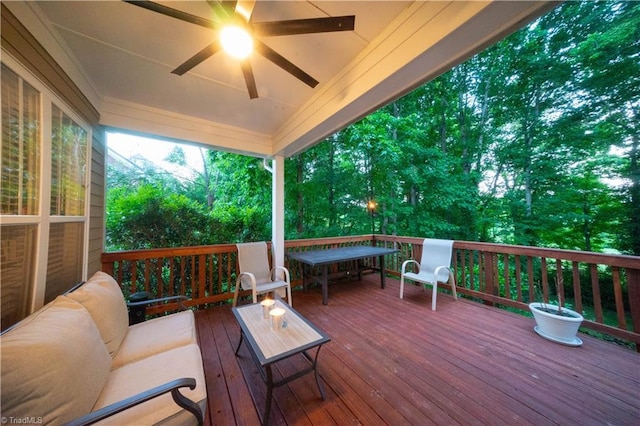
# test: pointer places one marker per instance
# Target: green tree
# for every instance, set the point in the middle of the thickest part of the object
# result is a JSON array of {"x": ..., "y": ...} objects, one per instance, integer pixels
[
  {"x": 533, "y": 141},
  {"x": 149, "y": 217},
  {"x": 608, "y": 77}
]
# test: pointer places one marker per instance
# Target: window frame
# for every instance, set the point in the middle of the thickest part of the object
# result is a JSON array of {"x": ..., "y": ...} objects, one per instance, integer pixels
[{"x": 43, "y": 219}]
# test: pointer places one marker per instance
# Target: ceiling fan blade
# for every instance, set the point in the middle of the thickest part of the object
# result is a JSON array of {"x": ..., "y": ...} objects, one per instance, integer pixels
[
  {"x": 196, "y": 59},
  {"x": 174, "y": 13},
  {"x": 244, "y": 8},
  {"x": 228, "y": 5},
  {"x": 283, "y": 63},
  {"x": 304, "y": 26},
  {"x": 225, "y": 9},
  {"x": 247, "y": 71},
  {"x": 222, "y": 9}
]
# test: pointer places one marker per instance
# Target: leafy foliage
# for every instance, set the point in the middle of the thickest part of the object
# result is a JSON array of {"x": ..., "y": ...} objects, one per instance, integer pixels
[{"x": 534, "y": 141}]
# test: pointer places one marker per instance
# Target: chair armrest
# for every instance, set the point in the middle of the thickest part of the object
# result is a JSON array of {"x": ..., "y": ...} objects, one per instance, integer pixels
[
  {"x": 251, "y": 277},
  {"x": 406, "y": 263},
  {"x": 283, "y": 269},
  {"x": 178, "y": 299},
  {"x": 134, "y": 400},
  {"x": 437, "y": 271}
]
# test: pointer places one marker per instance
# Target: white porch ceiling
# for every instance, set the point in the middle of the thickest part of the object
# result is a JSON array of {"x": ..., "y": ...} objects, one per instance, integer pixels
[{"x": 122, "y": 56}]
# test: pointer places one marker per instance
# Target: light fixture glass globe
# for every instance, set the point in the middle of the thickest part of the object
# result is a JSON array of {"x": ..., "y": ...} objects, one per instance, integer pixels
[{"x": 236, "y": 41}]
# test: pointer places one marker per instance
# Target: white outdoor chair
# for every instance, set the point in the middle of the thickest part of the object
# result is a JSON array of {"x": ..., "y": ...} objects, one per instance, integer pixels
[
  {"x": 434, "y": 267},
  {"x": 255, "y": 274}
]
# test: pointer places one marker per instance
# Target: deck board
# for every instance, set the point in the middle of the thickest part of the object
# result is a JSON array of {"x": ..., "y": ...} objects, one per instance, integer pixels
[{"x": 394, "y": 361}]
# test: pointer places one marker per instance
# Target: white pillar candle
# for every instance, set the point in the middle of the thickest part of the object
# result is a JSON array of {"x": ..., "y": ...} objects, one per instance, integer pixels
[
  {"x": 277, "y": 318},
  {"x": 267, "y": 306}
]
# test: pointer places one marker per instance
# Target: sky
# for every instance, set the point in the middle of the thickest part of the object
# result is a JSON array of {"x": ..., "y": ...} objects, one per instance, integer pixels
[{"x": 155, "y": 150}]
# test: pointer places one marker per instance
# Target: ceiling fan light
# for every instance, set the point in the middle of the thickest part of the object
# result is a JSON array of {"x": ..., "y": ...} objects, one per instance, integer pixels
[{"x": 236, "y": 41}]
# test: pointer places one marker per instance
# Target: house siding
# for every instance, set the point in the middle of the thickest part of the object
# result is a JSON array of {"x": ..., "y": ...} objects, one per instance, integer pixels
[{"x": 97, "y": 201}]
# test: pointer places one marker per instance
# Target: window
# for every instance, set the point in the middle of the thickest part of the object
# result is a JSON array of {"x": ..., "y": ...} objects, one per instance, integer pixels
[
  {"x": 18, "y": 271},
  {"x": 43, "y": 201},
  {"x": 20, "y": 145},
  {"x": 68, "y": 165}
]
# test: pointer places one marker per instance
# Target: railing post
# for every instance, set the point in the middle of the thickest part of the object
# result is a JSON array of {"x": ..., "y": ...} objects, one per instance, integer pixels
[
  {"x": 633, "y": 285},
  {"x": 489, "y": 273},
  {"x": 107, "y": 267}
]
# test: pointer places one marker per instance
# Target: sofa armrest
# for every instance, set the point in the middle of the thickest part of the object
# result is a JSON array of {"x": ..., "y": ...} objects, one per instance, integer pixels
[{"x": 134, "y": 400}]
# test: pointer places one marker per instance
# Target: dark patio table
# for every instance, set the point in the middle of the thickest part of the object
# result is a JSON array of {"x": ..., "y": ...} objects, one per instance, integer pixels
[{"x": 326, "y": 257}]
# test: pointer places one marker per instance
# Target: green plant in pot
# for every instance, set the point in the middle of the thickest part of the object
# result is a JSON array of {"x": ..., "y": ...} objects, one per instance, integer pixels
[{"x": 555, "y": 322}]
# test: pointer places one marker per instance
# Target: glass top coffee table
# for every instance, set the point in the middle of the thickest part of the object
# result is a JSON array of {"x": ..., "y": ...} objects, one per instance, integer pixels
[{"x": 268, "y": 346}]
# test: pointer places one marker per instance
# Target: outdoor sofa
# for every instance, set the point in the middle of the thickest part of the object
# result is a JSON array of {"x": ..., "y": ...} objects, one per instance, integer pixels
[{"x": 77, "y": 360}]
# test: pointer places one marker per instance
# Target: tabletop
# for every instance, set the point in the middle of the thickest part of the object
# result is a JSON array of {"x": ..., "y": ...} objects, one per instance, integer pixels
[
  {"x": 340, "y": 254},
  {"x": 270, "y": 345}
]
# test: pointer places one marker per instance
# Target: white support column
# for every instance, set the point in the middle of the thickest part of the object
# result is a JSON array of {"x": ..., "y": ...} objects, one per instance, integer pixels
[{"x": 277, "y": 210}]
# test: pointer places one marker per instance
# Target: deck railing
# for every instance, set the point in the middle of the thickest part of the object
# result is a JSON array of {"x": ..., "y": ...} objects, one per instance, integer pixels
[{"x": 605, "y": 288}]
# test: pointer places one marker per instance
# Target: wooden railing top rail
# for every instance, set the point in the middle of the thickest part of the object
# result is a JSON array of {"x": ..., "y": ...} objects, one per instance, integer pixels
[
  {"x": 619, "y": 260},
  {"x": 622, "y": 261},
  {"x": 166, "y": 252}
]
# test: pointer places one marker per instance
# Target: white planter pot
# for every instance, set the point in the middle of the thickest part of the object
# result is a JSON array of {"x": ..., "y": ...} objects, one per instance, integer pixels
[{"x": 559, "y": 329}]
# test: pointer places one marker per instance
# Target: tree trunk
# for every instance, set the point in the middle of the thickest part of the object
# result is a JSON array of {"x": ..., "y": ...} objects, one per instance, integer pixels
[
  {"x": 299, "y": 196},
  {"x": 634, "y": 193},
  {"x": 331, "y": 184}
]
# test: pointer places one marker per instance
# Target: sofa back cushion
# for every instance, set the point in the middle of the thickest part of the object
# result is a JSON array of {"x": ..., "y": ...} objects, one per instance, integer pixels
[
  {"x": 54, "y": 364},
  {"x": 102, "y": 297}
]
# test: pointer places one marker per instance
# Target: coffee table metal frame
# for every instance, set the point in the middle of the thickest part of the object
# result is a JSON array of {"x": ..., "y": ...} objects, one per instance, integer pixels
[{"x": 286, "y": 344}]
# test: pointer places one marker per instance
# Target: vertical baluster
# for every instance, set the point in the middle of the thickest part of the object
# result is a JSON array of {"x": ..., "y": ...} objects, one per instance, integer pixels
[
  {"x": 463, "y": 267},
  {"x": 559, "y": 282},
  {"x": 617, "y": 290},
  {"x": 172, "y": 276},
  {"x": 544, "y": 278},
  {"x": 183, "y": 267},
  {"x": 518, "y": 271},
  {"x": 159, "y": 280},
  {"x": 202, "y": 276},
  {"x": 133, "y": 276},
  {"x": 531, "y": 282},
  {"x": 213, "y": 287},
  {"x": 595, "y": 286},
  {"x": 147, "y": 280},
  {"x": 577, "y": 288},
  {"x": 472, "y": 275}
]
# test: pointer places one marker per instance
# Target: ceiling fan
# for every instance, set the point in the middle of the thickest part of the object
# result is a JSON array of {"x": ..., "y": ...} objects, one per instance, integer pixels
[{"x": 238, "y": 13}]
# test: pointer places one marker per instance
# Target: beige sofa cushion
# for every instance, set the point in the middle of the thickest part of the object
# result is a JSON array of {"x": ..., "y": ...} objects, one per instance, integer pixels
[
  {"x": 102, "y": 297},
  {"x": 143, "y": 375},
  {"x": 54, "y": 364},
  {"x": 155, "y": 336}
]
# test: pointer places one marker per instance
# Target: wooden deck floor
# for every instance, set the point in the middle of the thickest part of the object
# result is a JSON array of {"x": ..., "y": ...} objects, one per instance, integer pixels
[{"x": 396, "y": 362}]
